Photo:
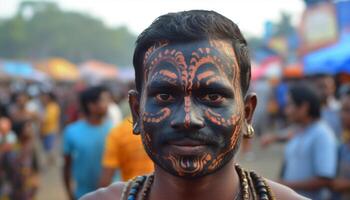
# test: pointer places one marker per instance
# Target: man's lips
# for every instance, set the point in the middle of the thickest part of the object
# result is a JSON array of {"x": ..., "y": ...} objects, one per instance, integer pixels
[
  {"x": 187, "y": 146},
  {"x": 187, "y": 143}
]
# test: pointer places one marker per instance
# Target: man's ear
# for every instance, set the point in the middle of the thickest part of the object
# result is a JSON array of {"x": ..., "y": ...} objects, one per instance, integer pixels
[
  {"x": 250, "y": 102},
  {"x": 134, "y": 102}
]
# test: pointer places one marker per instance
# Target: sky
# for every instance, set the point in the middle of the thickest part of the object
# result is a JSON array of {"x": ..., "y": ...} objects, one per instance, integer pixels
[{"x": 250, "y": 15}]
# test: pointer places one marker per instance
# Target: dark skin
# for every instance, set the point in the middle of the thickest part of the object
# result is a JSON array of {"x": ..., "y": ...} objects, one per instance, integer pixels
[
  {"x": 67, "y": 176},
  {"x": 191, "y": 114},
  {"x": 107, "y": 176}
]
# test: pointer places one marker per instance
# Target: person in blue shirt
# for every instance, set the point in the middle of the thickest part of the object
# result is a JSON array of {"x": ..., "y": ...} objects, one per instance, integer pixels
[
  {"x": 84, "y": 141},
  {"x": 311, "y": 153},
  {"x": 341, "y": 185}
]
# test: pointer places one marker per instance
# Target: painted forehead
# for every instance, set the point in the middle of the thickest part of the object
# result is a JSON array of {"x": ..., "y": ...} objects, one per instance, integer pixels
[{"x": 219, "y": 52}]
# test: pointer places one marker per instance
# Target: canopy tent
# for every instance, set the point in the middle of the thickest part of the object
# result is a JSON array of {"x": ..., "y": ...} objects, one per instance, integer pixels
[
  {"x": 59, "y": 69},
  {"x": 97, "y": 71},
  {"x": 22, "y": 70},
  {"x": 345, "y": 67},
  {"x": 331, "y": 60},
  {"x": 126, "y": 74},
  {"x": 293, "y": 71}
]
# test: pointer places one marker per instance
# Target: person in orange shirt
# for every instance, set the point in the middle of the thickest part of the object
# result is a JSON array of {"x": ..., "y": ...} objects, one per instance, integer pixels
[{"x": 124, "y": 151}]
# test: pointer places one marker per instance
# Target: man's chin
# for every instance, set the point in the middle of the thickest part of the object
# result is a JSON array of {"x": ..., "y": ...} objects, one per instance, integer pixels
[
  {"x": 180, "y": 169},
  {"x": 188, "y": 175},
  {"x": 191, "y": 166}
]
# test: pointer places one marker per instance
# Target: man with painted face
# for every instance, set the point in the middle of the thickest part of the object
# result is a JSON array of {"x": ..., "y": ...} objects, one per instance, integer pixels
[{"x": 191, "y": 109}]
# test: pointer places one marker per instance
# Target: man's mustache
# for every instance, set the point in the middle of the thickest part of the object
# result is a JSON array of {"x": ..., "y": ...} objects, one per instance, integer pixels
[{"x": 197, "y": 136}]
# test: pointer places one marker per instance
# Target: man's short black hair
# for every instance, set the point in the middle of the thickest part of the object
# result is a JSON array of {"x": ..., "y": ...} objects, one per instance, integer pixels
[
  {"x": 3, "y": 111},
  {"x": 302, "y": 93},
  {"x": 18, "y": 127},
  {"x": 90, "y": 95},
  {"x": 188, "y": 26}
]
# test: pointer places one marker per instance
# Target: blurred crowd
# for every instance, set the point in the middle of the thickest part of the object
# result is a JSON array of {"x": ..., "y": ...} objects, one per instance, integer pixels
[
  {"x": 37, "y": 123},
  {"x": 312, "y": 116},
  {"x": 87, "y": 130}
]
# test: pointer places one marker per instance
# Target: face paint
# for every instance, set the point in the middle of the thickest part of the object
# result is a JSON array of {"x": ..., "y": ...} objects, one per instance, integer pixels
[{"x": 191, "y": 106}]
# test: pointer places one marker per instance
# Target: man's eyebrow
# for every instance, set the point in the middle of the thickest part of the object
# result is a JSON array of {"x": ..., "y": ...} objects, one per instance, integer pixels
[
  {"x": 217, "y": 86},
  {"x": 208, "y": 77}
]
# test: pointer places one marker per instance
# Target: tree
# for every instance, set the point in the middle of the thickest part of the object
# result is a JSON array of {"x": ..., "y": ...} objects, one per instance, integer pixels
[{"x": 51, "y": 32}]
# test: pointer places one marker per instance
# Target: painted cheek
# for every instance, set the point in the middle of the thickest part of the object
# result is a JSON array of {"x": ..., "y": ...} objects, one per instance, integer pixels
[
  {"x": 156, "y": 117},
  {"x": 229, "y": 125},
  {"x": 152, "y": 122}
]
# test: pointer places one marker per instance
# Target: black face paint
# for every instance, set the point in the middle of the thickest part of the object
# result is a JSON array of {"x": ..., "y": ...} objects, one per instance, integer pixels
[{"x": 191, "y": 106}]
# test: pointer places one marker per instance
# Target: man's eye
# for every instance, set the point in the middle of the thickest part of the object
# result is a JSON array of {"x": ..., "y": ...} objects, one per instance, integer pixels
[
  {"x": 164, "y": 97},
  {"x": 213, "y": 98}
]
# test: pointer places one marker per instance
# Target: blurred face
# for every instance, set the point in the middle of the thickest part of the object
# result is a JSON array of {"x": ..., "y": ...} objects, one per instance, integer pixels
[
  {"x": 191, "y": 107},
  {"x": 292, "y": 111},
  {"x": 21, "y": 100},
  {"x": 345, "y": 112},
  {"x": 44, "y": 98},
  {"x": 326, "y": 87},
  {"x": 298, "y": 114},
  {"x": 100, "y": 107},
  {"x": 5, "y": 125}
]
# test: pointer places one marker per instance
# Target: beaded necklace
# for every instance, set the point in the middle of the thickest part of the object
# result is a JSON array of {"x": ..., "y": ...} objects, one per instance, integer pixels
[{"x": 252, "y": 186}]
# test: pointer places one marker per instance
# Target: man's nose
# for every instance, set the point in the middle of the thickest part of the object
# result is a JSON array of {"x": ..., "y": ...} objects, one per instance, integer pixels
[{"x": 189, "y": 116}]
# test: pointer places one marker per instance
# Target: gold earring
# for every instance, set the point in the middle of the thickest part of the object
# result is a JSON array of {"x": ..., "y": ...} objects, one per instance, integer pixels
[
  {"x": 250, "y": 132},
  {"x": 136, "y": 129}
]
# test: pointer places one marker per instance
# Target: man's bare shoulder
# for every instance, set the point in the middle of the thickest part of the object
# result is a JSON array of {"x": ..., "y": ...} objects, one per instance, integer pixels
[
  {"x": 283, "y": 192},
  {"x": 112, "y": 192}
]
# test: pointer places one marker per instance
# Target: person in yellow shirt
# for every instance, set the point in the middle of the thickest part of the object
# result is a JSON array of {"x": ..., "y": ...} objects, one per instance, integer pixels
[
  {"x": 49, "y": 123},
  {"x": 124, "y": 151}
]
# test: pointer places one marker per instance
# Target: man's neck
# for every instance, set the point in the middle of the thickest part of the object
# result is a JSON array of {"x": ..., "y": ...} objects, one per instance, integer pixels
[
  {"x": 221, "y": 185},
  {"x": 307, "y": 122},
  {"x": 94, "y": 120}
]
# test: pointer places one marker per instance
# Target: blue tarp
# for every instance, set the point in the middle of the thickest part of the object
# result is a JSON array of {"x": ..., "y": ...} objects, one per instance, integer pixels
[
  {"x": 330, "y": 60},
  {"x": 23, "y": 70},
  {"x": 345, "y": 67},
  {"x": 343, "y": 15},
  {"x": 17, "y": 69}
]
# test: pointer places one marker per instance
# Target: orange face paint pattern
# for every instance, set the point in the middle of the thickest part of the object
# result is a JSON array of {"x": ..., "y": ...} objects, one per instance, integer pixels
[{"x": 185, "y": 166}]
